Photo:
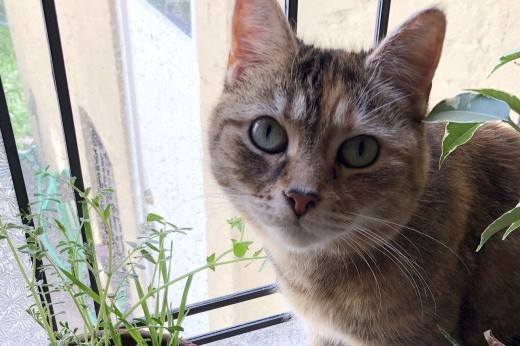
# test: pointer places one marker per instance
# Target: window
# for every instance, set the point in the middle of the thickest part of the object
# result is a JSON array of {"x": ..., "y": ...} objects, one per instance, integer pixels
[{"x": 142, "y": 78}]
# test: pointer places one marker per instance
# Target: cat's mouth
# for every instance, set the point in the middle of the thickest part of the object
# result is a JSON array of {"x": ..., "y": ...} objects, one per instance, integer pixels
[
  {"x": 301, "y": 235},
  {"x": 298, "y": 237}
]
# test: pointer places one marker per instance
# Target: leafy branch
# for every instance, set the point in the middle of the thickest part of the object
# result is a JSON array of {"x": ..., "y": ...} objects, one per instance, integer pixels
[{"x": 463, "y": 115}]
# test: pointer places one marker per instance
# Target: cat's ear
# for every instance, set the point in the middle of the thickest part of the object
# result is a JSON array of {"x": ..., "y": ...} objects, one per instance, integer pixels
[
  {"x": 260, "y": 35},
  {"x": 408, "y": 57}
]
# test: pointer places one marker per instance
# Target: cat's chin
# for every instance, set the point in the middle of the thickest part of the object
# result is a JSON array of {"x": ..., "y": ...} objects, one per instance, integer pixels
[{"x": 294, "y": 237}]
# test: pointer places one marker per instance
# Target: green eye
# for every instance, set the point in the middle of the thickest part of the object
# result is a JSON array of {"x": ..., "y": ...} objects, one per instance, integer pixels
[
  {"x": 268, "y": 135},
  {"x": 358, "y": 152}
]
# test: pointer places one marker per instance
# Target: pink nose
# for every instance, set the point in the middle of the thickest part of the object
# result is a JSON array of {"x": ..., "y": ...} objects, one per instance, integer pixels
[{"x": 301, "y": 200}]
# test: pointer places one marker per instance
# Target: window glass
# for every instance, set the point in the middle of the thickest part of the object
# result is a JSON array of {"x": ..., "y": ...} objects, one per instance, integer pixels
[
  {"x": 16, "y": 326},
  {"x": 178, "y": 11},
  {"x": 33, "y": 109}
]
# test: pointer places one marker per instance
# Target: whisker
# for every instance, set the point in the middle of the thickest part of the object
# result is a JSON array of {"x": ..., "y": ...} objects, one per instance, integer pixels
[
  {"x": 387, "y": 222},
  {"x": 417, "y": 269},
  {"x": 360, "y": 252}
]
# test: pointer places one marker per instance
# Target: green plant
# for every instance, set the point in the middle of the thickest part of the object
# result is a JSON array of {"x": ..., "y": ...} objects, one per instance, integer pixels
[
  {"x": 448, "y": 337},
  {"x": 464, "y": 114},
  {"x": 80, "y": 258}
]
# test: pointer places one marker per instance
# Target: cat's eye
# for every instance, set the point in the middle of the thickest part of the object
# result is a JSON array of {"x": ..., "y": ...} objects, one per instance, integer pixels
[
  {"x": 268, "y": 135},
  {"x": 358, "y": 152}
]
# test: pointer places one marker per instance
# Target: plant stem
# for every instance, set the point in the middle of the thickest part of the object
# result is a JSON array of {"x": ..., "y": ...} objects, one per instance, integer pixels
[
  {"x": 43, "y": 312},
  {"x": 182, "y": 277}
]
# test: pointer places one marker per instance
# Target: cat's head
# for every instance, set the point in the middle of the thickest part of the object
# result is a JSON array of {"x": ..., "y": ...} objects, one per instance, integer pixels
[{"x": 314, "y": 145}]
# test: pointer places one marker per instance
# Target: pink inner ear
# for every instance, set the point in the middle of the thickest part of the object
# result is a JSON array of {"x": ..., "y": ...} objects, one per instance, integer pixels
[
  {"x": 260, "y": 35},
  {"x": 241, "y": 32}
]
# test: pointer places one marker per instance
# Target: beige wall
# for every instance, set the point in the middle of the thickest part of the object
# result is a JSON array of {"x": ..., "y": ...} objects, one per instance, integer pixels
[
  {"x": 91, "y": 50},
  {"x": 30, "y": 44},
  {"x": 478, "y": 33}
]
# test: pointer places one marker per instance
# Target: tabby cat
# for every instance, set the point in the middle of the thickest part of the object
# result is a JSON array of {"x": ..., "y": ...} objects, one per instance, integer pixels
[{"x": 325, "y": 151}]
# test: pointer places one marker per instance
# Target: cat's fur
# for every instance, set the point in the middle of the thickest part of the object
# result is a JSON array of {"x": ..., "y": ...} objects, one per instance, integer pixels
[{"x": 386, "y": 253}]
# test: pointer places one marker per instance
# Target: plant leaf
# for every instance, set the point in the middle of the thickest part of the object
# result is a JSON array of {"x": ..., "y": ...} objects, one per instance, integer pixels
[
  {"x": 505, "y": 59},
  {"x": 211, "y": 261},
  {"x": 469, "y": 108},
  {"x": 506, "y": 220},
  {"x": 512, "y": 101},
  {"x": 240, "y": 248},
  {"x": 148, "y": 256},
  {"x": 87, "y": 290},
  {"x": 448, "y": 337},
  {"x": 511, "y": 228},
  {"x": 237, "y": 223},
  {"x": 106, "y": 212},
  {"x": 456, "y": 135},
  {"x": 144, "y": 306},
  {"x": 154, "y": 217}
]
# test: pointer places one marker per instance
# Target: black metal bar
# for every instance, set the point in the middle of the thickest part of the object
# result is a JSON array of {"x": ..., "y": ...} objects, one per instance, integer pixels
[
  {"x": 240, "y": 329},
  {"x": 21, "y": 195},
  {"x": 383, "y": 13},
  {"x": 227, "y": 300},
  {"x": 291, "y": 11},
  {"x": 69, "y": 130}
]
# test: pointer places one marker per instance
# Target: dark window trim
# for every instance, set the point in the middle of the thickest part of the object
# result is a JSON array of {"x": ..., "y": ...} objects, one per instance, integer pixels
[
  {"x": 291, "y": 11},
  {"x": 382, "y": 16},
  {"x": 67, "y": 119},
  {"x": 230, "y": 299},
  {"x": 22, "y": 197},
  {"x": 60, "y": 79},
  {"x": 239, "y": 329}
]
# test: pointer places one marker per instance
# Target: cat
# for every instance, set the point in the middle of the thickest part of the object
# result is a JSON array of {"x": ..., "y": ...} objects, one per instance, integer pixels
[{"x": 326, "y": 153}]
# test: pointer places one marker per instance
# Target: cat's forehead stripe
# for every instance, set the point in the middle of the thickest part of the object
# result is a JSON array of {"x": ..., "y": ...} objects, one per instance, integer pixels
[
  {"x": 298, "y": 105},
  {"x": 280, "y": 101},
  {"x": 341, "y": 112}
]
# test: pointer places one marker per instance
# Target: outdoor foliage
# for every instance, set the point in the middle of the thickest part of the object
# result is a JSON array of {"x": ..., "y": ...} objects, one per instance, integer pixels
[
  {"x": 464, "y": 114},
  {"x": 3, "y": 17},
  {"x": 12, "y": 86},
  {"x": 178, "y": 11},
  {"x": 79, "y": 258}
]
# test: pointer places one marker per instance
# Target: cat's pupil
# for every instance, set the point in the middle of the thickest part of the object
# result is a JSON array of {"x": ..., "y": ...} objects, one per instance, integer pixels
[
  {"x": 361, "y": 148},
  {"x": 268, "y": 131}
]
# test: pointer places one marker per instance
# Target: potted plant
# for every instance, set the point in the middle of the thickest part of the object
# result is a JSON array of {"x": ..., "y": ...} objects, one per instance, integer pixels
[{"x": 110, "y": 323}]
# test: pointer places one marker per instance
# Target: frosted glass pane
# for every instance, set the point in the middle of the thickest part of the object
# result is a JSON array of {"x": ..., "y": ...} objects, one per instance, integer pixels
[{"x": 16, "y": 326}]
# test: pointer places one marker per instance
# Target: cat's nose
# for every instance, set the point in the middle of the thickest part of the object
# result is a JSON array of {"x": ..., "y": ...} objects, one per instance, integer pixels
[{"x": 301, "y": 200}]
